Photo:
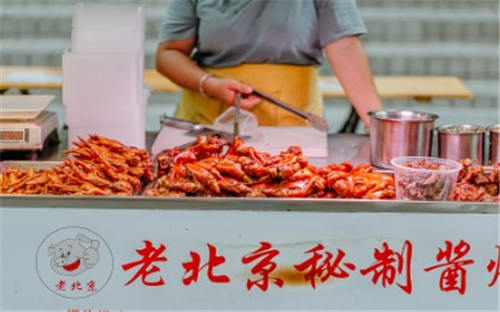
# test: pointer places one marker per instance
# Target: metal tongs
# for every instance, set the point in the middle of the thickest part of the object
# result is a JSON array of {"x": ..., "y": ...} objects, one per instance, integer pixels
[
  {"x": 192, "y": 128},
  {"x": 236, "y": 128},
  {"x": 314, "y": 120}
]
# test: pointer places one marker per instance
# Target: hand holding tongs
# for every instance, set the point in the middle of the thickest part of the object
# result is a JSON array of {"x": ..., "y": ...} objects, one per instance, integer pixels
[{"x": 314, "y": 120}]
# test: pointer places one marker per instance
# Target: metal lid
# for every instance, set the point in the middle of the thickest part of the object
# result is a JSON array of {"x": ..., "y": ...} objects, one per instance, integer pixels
[
  {"x": 403, "y": 115},
  {"x": 461, "y": 129}
]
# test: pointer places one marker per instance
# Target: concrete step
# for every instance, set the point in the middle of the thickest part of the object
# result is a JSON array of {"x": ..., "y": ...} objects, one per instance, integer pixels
[
  {"x": 468, "y": 61},
  {"x": 485, "y": 90},
  {"x": 362, "y": 3},
  {"x": 431, "y": 25},
  {"x": 436, "y": 4},
  {"x": 66, "y": 2},
  {"x": 384, "y": 24}
]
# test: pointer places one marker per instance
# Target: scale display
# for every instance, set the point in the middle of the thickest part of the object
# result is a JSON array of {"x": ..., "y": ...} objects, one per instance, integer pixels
[{"x": 12, "y": 135}]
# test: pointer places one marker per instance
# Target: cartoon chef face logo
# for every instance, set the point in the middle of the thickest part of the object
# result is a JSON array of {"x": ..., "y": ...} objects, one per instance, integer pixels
[
  {"x": 74, "y": 262},
  {"x": 73, "y": 256}
]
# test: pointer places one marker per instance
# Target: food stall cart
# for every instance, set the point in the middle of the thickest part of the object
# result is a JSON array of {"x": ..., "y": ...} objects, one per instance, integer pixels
[
  {"x": 138, "y": 253},
  {"x": 128, "y": 250}
]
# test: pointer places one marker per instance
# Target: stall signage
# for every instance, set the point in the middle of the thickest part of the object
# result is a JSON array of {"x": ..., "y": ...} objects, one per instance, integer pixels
[
  {"x": 74, "y": 262},
  {"x": 91, "y": 260}
]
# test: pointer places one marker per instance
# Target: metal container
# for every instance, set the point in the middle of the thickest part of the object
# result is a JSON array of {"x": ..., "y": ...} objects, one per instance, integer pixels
[
  {"x": 494, "y": 146},
  {"x": 396, "y": 133},
  {"x": 458, "y": 142}
]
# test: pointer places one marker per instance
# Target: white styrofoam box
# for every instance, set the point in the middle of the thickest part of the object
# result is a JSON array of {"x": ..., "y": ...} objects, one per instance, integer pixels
[
  {"x": 96, "y": 78},
  {"x": 104, "y": 41},
  {"x": 104, "y": 28},
  {"x": 102, "y": 95},
  {"x": 99, "y": 28},
  {"x": 108, "y": 16}
]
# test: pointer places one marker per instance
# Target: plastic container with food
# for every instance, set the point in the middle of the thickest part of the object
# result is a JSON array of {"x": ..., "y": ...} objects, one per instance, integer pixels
[{"x": 425, "y": 178}]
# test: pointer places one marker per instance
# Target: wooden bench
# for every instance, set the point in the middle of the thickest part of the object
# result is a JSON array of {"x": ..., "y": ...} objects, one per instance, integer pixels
[{"x": 419, "y": 88}]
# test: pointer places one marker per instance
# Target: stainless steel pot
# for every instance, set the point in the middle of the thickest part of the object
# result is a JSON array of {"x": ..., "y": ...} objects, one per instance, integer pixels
[
  {"x": 458, "y": 142},
  {"x": 494, "y": 146},
  {"x": 396, "y": 133}
]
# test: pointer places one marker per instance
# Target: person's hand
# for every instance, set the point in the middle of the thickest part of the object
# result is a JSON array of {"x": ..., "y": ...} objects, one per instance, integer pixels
[{"x": 225, "y": 90}]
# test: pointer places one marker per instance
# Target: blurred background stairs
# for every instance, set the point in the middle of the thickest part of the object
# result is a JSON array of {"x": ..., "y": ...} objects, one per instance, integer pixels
[{"x": 405, "y": 37}]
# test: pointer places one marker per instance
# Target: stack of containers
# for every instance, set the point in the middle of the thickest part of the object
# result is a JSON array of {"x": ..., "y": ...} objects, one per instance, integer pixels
[{"x": 103, "y": 73}]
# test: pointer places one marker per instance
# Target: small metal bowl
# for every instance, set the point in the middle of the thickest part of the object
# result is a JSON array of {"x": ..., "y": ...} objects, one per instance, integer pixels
[
  {"x": 494, "y": 146},
  {"x": 462, "y": 141},
  {"x": 396, "y": 133}
]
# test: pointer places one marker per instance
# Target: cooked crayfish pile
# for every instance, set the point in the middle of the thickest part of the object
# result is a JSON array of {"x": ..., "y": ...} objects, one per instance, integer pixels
[
  {"x": 213, "y": 167},
  {"x": 97, "y": 166}
]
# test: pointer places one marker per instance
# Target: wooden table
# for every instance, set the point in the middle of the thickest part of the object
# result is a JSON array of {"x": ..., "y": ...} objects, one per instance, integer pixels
[
  {"x": 419, "y": 88},
  {"x": 26, "y": 78}
]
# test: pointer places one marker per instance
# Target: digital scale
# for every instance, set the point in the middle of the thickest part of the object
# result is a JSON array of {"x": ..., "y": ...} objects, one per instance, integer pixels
[{"x": 25, "y": 125}]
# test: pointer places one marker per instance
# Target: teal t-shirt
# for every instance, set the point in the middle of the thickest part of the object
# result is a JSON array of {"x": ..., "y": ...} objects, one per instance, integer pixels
[{"x": 234, "y": 32}]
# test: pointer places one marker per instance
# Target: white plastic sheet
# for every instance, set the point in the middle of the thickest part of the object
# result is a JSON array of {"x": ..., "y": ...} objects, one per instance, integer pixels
[{"x": 249, "y": 125}]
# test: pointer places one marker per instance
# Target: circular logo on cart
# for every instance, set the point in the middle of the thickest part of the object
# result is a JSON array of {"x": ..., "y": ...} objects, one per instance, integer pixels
[{"x": 74, "y": 262}]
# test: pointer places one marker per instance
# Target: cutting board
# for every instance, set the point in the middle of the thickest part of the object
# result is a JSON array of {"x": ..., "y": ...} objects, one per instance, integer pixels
[{"x": 272, "y": 140}]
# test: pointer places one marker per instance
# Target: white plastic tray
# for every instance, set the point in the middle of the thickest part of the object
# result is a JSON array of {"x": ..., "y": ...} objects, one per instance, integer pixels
[{"x": 23, "y": 107}]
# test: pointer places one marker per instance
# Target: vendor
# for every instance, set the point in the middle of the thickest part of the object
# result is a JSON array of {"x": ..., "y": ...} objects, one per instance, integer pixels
[{"x": 217, "y": 48}]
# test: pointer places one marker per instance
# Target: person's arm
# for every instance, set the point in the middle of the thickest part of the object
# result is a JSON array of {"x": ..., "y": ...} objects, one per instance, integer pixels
[
  {"x": 174, "y": 62},
  {"x": 351, "y": 66}
]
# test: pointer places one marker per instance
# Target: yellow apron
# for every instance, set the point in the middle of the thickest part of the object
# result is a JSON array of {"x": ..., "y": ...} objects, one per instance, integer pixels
[{"x": 295, "y": 85}]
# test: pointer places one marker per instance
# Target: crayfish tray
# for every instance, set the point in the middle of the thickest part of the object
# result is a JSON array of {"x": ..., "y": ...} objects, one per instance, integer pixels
[
  {"x": 234, "y": 203},
  {"x": 28, "y": 163}
]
